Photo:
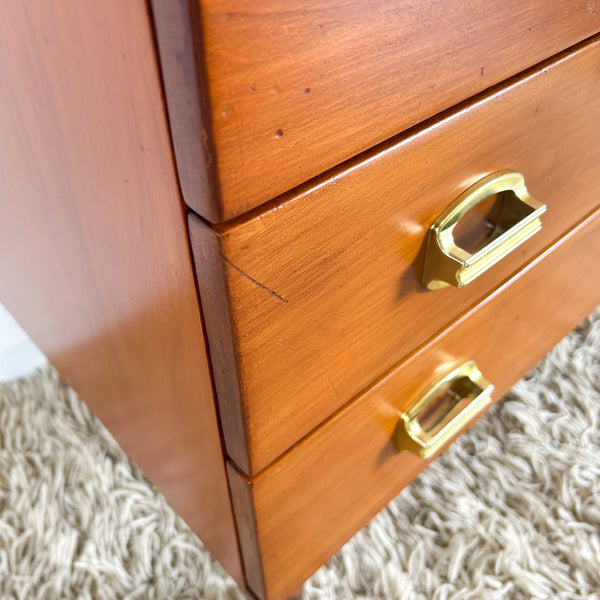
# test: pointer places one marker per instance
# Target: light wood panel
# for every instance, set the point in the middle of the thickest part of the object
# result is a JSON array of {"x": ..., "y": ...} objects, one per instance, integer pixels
[
  {"x": 296, "y": 89},
  {"x": 94, "y": 260},
  {"x": 310, "y": 300},
  {"x": 308, "y": 503}
]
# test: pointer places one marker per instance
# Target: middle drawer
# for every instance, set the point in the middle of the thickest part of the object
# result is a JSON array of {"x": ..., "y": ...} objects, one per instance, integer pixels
[{"x": 312, "y": 299}]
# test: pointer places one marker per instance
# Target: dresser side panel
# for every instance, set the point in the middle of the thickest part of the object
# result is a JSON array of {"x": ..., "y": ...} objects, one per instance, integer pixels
[{"x": 94, "y": 256}]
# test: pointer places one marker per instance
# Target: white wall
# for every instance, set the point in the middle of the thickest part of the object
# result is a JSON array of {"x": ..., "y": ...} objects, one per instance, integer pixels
[{"x": 19, "y": 356}]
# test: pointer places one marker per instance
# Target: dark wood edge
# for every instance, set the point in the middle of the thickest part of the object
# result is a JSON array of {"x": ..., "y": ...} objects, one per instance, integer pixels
[
  {"x": 243, "y": 510},
  {"x": 179, "y": 44},
  {"x": 214, "y": 298}
]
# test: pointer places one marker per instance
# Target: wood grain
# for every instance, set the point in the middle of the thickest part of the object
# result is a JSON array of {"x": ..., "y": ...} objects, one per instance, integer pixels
[
  {"x": 322, "y": 293},
  {"x": 296, "y": 89},
  {"x": 314, "y": 498},
  {"x": 94, "y": 260}
]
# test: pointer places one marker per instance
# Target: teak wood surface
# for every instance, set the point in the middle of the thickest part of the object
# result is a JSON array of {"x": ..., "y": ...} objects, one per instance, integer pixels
[
  {"x": 297, "y": 88},
  {"x": 310, "y": 300},
  {"x": 94, "y": 258},
  {"x": 313, "y": 499}
]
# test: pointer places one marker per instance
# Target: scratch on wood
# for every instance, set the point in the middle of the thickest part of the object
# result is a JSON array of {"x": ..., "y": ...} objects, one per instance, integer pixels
[
  {"x": 257, "y": 283},
  {"x": 329, "y": 382}
]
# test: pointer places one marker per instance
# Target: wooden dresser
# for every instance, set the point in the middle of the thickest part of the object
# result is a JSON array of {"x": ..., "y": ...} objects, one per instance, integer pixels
[{"x": 288, "y": 251}]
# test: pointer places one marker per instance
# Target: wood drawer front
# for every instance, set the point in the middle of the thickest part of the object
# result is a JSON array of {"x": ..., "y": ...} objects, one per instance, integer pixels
[
  {"x": 296, "y": 89},
  {"x": 313, "y": 299},
  {"x": 311, "y": 500}
]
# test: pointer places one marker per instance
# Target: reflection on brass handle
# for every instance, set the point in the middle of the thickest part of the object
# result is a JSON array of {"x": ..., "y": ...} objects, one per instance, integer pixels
[
  {"x": 516, "y": 218},
  {"x": 442, "y": 409}
]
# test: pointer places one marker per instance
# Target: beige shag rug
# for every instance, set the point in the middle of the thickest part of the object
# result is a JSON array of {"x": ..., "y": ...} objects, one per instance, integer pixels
[{"x": 518, "y": 517}]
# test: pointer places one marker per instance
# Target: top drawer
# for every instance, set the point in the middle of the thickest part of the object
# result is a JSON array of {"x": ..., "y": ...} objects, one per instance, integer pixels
[
  {"x": 296, "y": 88},
  {"x": 309, "y": 301}
]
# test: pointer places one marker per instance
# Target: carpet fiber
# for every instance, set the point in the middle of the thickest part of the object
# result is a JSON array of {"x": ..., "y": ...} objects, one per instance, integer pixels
[{"x": 511, "y": 510}]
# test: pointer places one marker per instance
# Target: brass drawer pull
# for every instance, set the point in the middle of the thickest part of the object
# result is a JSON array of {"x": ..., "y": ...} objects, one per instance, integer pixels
[
  {"x": 513, "y": 218},
  {"x": 442, "y": 409}
]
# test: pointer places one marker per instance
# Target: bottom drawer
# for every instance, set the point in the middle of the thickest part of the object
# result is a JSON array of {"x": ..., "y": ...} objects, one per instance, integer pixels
[{"x": 296, "y": 513}]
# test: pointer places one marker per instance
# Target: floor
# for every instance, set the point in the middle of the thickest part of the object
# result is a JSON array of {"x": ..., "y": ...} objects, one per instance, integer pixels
[{"x": 19, "y": 356}]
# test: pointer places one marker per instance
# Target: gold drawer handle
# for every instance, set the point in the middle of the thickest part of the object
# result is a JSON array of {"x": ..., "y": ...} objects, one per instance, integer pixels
[
  {"x": 513, "y": 218},
  {"x": 442, "y": 409}
]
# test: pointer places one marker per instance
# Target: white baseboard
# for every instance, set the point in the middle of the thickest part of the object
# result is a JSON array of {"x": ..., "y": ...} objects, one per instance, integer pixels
[{"x": 19, "y": 356}]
